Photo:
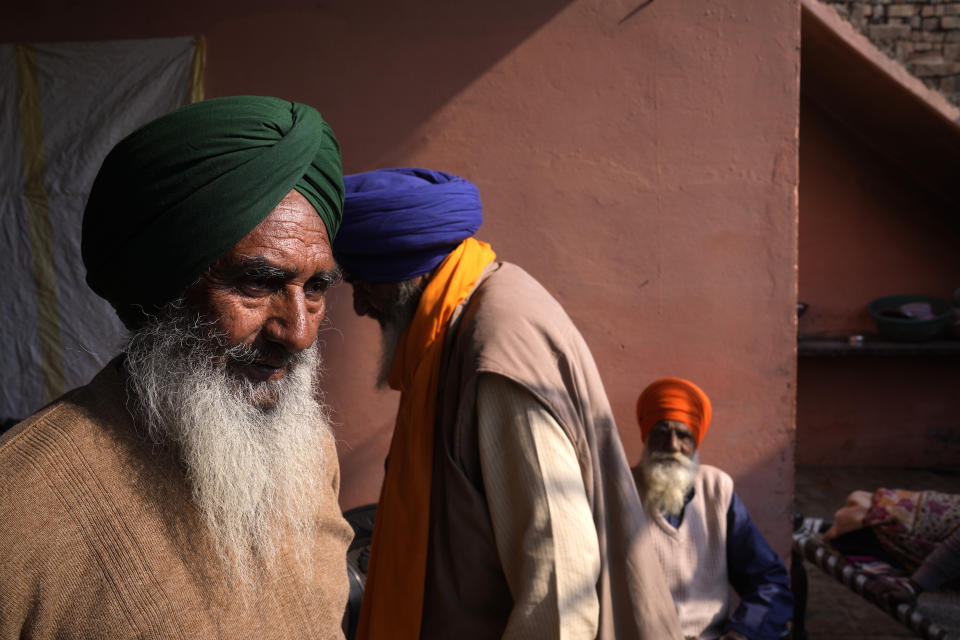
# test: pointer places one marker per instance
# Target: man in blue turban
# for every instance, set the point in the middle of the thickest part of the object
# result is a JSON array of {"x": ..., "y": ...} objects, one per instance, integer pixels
[
  {"x": 505, "y": 456},
  {"x": 190, "y": 490}
]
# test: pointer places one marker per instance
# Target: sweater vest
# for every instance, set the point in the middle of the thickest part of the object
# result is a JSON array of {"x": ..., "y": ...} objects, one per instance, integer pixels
[{"x": 694, "y": 556}]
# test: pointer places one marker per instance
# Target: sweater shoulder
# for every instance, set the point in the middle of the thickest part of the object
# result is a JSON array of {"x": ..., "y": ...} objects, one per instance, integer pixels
[
  {"x": 44, "y": 478},
  {"x": 54, "y": 462},
  {"x": 715, "y": 483},
  {"x": 35, "y": 441}
]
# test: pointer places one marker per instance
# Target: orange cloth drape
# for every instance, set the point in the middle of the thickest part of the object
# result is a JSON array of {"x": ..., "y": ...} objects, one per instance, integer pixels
[{"x": 393, "y": 598}]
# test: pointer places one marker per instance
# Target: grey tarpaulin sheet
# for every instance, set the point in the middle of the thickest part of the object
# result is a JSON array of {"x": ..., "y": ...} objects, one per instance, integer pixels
[{"x": 62, "y": 107}]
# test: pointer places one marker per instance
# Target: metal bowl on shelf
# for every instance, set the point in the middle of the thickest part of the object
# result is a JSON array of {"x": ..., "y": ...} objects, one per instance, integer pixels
[{"x": 911, "y": 317}]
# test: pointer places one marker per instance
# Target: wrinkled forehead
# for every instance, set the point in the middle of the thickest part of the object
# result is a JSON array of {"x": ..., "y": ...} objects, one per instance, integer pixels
[{"x": 292, "y": 226}]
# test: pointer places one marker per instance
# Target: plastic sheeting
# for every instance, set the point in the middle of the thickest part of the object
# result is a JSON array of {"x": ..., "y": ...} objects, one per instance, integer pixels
[{"x": 62, "y": 108}]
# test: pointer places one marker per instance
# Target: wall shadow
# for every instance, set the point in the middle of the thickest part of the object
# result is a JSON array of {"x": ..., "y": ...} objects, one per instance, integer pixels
[{"x": 377, "y": 70}]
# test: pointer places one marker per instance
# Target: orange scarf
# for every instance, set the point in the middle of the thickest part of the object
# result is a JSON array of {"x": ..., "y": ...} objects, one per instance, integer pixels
[{"x": 393, "y": 598}]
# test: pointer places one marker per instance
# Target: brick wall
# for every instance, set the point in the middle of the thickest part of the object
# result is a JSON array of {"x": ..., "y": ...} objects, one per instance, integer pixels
[{"x": 924, "y": 35}]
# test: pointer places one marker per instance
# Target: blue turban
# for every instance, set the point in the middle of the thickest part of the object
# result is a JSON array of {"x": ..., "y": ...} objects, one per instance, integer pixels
[{"x": 401, "y": 223}]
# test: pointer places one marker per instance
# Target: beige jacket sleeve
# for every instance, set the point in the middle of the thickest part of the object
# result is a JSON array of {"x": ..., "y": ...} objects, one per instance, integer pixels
[{"x": 542, "y": 521}]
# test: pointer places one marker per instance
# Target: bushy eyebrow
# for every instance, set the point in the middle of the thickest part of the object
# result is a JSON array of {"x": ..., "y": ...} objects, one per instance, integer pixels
[
  {"x": 683, "y": 433},
  {"x": 331, "y": 277},
  {"x": 259, "y": 267}
]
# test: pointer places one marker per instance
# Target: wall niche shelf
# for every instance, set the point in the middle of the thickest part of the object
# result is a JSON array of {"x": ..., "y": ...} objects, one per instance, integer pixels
[{"x": 873, "y": 345}]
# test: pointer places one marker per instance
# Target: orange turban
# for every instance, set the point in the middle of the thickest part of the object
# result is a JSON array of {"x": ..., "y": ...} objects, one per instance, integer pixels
[{"x": 674, "y": 399}]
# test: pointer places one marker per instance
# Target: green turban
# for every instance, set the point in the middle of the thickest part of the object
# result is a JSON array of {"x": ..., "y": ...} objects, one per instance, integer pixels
[{"x": 180, "y": 192}]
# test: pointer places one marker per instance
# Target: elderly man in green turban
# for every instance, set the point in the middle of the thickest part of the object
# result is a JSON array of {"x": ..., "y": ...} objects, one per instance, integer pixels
[{"x": 190, "y": 490}]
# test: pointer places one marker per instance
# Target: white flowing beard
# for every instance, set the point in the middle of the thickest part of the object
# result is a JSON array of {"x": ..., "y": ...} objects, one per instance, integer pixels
[
  {"x": 392, "y": 327},
  {"x": 254, "y": 472},
  {"x": 668, "y": 478},
  {"x": 390, "y": 334}
]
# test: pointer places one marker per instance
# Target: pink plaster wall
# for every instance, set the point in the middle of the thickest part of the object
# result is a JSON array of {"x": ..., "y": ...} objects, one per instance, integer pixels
[
  {"x": 640, "y": 159},
  {"x": 866, "y": 231}
]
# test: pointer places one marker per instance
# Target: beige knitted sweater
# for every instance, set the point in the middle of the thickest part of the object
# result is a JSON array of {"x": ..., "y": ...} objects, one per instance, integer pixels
[
  {"x": 99, "y": 539},
  {"x": 694, "y": 556}
]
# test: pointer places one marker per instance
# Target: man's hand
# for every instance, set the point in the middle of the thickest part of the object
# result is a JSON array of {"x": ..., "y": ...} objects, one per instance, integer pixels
[{"x": 893, "y": 591}]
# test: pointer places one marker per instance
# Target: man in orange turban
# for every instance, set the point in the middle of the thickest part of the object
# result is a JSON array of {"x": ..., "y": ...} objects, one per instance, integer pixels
[{"x": 702, "y": 533}]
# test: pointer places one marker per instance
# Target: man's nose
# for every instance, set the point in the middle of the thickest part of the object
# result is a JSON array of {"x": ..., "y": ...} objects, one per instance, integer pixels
[
  {"x": 673, "y": 442},
  {"x": 294, "y": 321}
]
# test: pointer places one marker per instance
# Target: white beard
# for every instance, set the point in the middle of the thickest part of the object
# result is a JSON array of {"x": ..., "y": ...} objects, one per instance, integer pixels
[
  {"x": 255, "y": 472},
  {"x": 390, "y": 334},
  {"x": 403, "y": 308},
  {"x": 667, "y": 479}
]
